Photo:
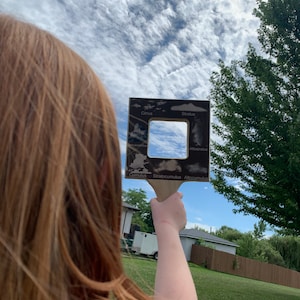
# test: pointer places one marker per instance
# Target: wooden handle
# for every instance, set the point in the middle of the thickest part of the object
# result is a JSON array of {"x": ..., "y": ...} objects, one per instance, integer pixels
[{"x": 164, "y": 188}]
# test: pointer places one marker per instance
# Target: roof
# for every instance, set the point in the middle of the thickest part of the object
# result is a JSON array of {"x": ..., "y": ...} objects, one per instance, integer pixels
[
  {"x": 198, "y": 234},
  {"x": 129, "y": 206}
]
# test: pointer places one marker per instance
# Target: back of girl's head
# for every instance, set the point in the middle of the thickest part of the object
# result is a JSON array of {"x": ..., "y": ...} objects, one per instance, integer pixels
[{"x": 60, "y": 191}]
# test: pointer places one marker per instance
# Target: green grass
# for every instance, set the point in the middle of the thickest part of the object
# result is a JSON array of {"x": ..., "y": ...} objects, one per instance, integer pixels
[{"x": 211, "y": 285}]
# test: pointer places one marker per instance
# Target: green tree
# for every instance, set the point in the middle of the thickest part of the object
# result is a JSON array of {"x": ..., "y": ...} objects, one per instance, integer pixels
[
  {"x": 257, "y": 108},
  {"x": 264, "y": 251},
  {"x": 247, "y": 246},
  {"x": 289, "y": 249},
  {"x": 252, "y": 245},
  {"x": 259, "y": 229},
  {"x": 197, "y": 227},
  {"x": 143, "y": 217},
  {"x": 229, "y": 234}
]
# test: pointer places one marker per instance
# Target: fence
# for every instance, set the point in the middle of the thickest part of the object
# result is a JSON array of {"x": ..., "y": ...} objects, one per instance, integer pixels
[{"x": 245, "y": 267}]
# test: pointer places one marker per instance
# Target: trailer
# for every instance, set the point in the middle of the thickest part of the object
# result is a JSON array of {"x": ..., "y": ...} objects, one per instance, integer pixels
[{"x": 145, "y": 243}]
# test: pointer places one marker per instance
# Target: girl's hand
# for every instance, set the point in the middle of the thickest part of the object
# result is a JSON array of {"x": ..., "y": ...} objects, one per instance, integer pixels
[{"x": 170, "y": 212}]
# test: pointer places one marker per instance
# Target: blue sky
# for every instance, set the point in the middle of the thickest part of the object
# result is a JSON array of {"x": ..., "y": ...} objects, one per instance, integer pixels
[{"x": 154, "y": 49}]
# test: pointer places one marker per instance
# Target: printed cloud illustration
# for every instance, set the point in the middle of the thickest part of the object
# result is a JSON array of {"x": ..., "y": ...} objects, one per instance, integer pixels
[
  {"x": 138, "y": 133},
  {"x": 161, "y": 102},
  {"x": 196, "y": 168},
  {"x": 168, "y": 165},
  {"x": 149, "y": 107},
  {"x": 139, "y": 163},
  {"x": 197, "y": 132},
  {"x": 136, "y": 105},
  {"x": 188, "y": 107}
]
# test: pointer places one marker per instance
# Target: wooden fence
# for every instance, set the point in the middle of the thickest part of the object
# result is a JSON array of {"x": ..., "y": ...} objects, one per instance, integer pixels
[{"x": 245, "y": 267}]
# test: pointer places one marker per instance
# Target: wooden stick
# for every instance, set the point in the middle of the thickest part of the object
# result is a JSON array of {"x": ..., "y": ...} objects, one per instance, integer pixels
[{"x": 164, "y": 188}]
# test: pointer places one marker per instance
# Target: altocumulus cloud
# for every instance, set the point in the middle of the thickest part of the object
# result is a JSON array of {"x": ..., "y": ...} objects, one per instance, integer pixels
[{"x": 155, "y": 48}]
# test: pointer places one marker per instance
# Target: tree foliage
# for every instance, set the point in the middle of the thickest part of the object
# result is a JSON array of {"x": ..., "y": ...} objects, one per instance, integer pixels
[
  {"x": 229, "y": 234},
  {"x": 257, "y": 108},
  {"x": 197, "y": 227},
  {"x": 259, "y": 229},
  {"x": 143, "y": 217},
  {"x": 289, "y": 249},
  {"x": 279, "y": 250}
]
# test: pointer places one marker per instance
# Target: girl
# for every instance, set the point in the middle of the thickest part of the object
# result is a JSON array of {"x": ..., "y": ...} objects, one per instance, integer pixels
[{"x": 60, "y": 181}]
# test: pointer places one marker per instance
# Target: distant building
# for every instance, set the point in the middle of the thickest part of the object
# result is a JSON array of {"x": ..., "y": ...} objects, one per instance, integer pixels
[
  {"x": 127, "y": 213},
  {"x": 189, "y": 237}
]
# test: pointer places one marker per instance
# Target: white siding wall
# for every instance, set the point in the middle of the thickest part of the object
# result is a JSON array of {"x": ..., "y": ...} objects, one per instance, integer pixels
[
  {"x": 126, "y": 220},
  {"x": 187, "y": 246},
  {"x": 225, "y": 248}
]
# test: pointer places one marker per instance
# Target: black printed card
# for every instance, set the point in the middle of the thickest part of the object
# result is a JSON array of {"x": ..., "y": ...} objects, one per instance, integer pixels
[{"x": 196, "y": 113}]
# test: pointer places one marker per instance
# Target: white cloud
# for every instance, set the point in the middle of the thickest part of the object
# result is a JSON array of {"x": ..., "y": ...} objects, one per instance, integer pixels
[
  {"x": 237, "y": 183},
  {"x": 168, "y": 139},
  {"x": 123, "y": 145},
  {"x": 138, "y": 49},
  {"x": 166, "y": 49},
  {"x": 156, "y": 49},
  {"x": 206, "y": 227}
]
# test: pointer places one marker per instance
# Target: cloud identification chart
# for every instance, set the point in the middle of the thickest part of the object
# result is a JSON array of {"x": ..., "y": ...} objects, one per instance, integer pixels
[{"x": 193, "y": 167}]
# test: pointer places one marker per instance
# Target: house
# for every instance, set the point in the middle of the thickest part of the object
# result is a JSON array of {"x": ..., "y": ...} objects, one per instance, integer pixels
[
  {"x": 127, "y": 212},
  {"x": 189, "y": 237}
]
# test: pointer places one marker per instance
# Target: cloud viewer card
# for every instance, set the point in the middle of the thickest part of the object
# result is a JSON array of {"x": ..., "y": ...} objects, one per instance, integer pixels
[{"x": 195, "y": 113}]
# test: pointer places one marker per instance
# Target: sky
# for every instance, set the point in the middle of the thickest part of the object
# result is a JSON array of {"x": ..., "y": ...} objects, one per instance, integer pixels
[{"x": 164, "y": 49}]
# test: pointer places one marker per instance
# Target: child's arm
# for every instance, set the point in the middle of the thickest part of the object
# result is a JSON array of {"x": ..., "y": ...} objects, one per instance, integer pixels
[{"x": 173, "y": 278}]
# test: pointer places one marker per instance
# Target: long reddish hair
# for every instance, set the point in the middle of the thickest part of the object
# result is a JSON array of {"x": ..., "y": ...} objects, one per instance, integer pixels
[{"x": 60, "y": 177}]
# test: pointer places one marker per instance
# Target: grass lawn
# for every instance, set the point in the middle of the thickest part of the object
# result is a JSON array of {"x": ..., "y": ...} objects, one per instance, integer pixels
[{"x": 211, "y": 285}]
